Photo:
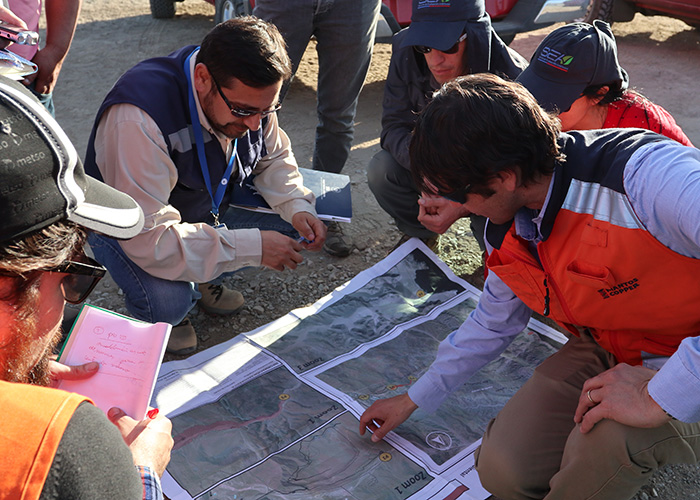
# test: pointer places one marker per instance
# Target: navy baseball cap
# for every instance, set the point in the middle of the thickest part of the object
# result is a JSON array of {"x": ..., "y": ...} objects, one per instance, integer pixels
[
  {"x": 439, "y": 23},
  {"x": 570, "y": 59},
  {"x": 42, "y": 180}
]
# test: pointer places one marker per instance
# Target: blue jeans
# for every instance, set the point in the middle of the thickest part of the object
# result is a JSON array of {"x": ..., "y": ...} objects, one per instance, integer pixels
[
  {"x": 45, "y": 99},
  {"x": 155, "y": 299},
  {"x": 344, "y": 31}
]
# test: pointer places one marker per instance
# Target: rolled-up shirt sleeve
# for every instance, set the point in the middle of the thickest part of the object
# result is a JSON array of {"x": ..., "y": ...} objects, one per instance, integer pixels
[{"x": 489, "y": 329}]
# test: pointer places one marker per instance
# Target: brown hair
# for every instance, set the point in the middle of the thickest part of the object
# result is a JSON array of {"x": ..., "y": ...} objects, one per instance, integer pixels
[
  {"x": 24, "y": 259},
  {"x": 477, "y": 126},
  {"x": 246, "y": 48}
]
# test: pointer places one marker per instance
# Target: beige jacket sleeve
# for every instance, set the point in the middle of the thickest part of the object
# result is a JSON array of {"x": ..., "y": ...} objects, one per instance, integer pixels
[
  {"x": 132, "y": 156},
  {"x": 277, "y": 177}
]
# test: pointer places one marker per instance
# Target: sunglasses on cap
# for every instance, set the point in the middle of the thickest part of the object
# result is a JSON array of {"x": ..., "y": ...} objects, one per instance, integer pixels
[
  {"x": 424, "y": 49},
  {"x": 458, "y": 196},
  {"x": 243, "y": 113},
  {"x": 81, "y": 279}
]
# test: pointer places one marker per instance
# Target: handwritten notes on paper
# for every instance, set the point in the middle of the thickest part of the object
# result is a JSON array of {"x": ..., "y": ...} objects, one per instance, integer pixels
[{"x": 129, "y": 353}]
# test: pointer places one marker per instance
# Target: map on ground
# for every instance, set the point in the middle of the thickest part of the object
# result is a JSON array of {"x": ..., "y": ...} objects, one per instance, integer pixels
[
  {"x": 411, "y": 288},
  {"x": 274, "y": 414},
  {"x": 390, "y": 368}
]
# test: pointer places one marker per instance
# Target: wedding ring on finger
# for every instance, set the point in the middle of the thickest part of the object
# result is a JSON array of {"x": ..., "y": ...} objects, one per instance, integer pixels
[{"x": 590, "y": 398}]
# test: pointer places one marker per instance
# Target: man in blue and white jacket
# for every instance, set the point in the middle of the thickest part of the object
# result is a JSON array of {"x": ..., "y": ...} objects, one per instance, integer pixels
[{"x": 600, "y": 231}]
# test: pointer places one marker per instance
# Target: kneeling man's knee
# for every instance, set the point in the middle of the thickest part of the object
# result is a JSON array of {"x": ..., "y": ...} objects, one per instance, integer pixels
[
  {"x": 377, "y": 171},
  {"x": 506, "y": 472},
  {"x": 501, "y": 473}
]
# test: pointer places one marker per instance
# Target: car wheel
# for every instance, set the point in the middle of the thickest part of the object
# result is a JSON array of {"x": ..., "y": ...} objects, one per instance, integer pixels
[
  {"x": 228, "y": 9},
  {"x": 162, "y": 9},
  {"x": 599, "y": 9}
]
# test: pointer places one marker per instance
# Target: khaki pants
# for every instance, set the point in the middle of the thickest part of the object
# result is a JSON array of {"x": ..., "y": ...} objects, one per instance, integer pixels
[{"x": 533, "y": 449}]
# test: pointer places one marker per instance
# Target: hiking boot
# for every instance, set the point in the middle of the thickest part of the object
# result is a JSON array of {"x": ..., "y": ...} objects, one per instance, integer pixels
[
  {"x": 432, "y": 242},
  {"x": 217, "y": 299},
  {"x": 183, "y": 339},
  {"x": 337, "y": 242}
]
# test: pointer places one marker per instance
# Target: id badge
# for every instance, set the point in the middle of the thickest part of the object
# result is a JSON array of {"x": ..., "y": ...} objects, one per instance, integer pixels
[{"x": 221, "y": 225}]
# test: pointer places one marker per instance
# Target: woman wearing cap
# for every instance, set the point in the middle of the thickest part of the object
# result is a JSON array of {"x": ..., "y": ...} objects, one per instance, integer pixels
[{"x": 575, "y": 72}]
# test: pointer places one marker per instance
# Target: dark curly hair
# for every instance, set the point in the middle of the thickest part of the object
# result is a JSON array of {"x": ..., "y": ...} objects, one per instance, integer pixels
[
  {"x": 477, "y": 126},
  {"x": 246, "y": 48}
]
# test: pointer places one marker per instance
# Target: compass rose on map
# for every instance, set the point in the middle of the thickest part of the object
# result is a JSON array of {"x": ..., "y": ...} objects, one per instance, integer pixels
[{"x": 439, "y": 440}]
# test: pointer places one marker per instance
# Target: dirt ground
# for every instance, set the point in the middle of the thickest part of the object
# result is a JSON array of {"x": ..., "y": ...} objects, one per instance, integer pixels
[{"x": 662, "y": 56}]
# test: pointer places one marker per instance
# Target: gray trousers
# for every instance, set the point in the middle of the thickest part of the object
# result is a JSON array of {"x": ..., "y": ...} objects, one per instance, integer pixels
[
  {"x": 344, "y": 31},
  {"x": 395, "y": 191},
  {"x": 533, "y": 450}
]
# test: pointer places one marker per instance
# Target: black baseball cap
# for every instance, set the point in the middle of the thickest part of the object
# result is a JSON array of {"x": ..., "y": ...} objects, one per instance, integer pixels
[
  {"x": 439, "y": 23},
  {"x": 570, "y": 59},
  {"x": 42, "y": 180}
]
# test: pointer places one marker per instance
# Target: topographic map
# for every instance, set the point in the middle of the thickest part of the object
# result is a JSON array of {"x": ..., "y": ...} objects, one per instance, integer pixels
[{"x": 274, "y": 414}]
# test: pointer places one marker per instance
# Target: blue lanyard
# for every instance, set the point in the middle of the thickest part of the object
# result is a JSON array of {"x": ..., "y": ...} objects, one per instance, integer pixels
[{"x": 199, "y": 142}]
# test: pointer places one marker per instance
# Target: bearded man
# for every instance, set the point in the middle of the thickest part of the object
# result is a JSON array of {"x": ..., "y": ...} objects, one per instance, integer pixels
[
  {"x": 176, "y": 133},
  {"x": 55, "y": 444}
]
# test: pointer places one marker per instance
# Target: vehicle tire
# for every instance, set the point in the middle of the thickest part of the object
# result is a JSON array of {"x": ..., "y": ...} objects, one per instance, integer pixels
[
  {"x": 599, "y": 9},
  {"x": 162, "y": 9},
  {"x": 228, "y": 9}
]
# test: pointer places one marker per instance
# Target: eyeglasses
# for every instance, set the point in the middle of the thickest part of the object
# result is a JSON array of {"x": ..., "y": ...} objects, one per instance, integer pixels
[
  {"x": 81, "y": 280},
  {"x": 424, "y": 49},
  {"x": 458, "y": 196},
  {"x": 243, "y": 113}
]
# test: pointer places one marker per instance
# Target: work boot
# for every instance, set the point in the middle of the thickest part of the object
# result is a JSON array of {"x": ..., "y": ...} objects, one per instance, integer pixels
[
  {"x": 217, "y": 299},
  {"x": 183, "y": 339},
  {"x": 432, "y": 242},
  {"x": 337, "y": 242}
]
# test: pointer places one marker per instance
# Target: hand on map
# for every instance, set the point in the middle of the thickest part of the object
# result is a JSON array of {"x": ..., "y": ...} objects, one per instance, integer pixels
[
  {"x": 620, "y": 394},
  {"x": 311, "y": 228},
  {"x": 150, "y": 440},
  {"x": 385, "y": 415},
  {"x": 437, "y": 213}
]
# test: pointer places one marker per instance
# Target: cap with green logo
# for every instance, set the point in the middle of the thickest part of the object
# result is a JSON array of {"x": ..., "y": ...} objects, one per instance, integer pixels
[{"x": 570, "y": 59}]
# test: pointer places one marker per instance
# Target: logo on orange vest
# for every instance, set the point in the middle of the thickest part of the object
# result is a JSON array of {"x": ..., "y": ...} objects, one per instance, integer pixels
[{"x": 627, "y": 286}]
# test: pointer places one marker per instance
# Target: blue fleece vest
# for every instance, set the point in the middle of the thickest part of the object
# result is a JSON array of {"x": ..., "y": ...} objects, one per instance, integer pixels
[{"x": 159, "y": 87}]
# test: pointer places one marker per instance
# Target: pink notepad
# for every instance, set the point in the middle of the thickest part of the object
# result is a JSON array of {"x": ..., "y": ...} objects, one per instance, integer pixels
[{"x": 129, "y": 352}]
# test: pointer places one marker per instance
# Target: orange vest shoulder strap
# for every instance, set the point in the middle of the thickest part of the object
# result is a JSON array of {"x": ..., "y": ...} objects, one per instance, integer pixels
[{"x": 33, "y": 420}]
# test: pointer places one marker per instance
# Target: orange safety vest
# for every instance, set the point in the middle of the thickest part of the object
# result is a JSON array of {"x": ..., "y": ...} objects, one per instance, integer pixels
[
  {"x": 33, "y": 420},
  {"x": 599, "y": 268}
]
